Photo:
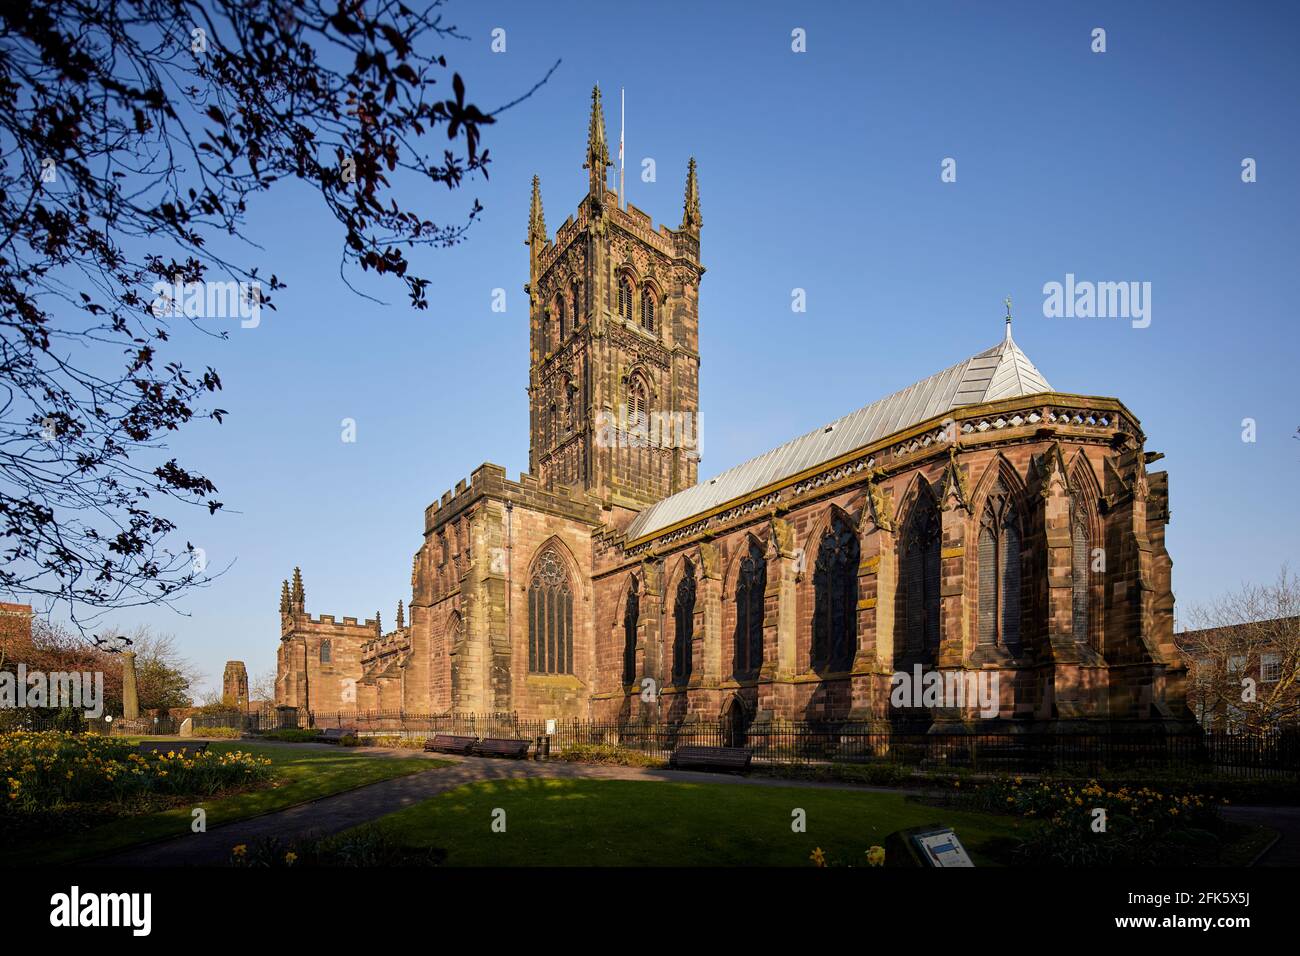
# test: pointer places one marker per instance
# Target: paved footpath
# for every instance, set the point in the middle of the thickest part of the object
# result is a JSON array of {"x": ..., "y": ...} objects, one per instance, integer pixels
[
  {"x": 1286, "y": 820},
  {"x": 343, "y": 811}
]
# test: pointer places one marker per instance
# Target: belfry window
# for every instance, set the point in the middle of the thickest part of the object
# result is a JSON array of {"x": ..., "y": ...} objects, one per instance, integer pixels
[
  {"x": 625, "y": 299},
  {"x": 550, "y": 617},
  {"x": 999, "y": 571},
  {"x": 559, "y": 318},
  {"x": 577, "y": 304},
  {"x": 325, "y": 653},
  {"x": 647, "y": 311},
  {"x": 684, "y": 625},
  {"x": 637, "y": 417},
  {"x": 835, "y": 593},
  {"x": 751, "y": 583}
]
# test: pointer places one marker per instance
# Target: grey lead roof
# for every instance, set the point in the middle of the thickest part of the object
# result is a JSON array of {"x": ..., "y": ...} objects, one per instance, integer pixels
[{"x": 1003, "y": 371}]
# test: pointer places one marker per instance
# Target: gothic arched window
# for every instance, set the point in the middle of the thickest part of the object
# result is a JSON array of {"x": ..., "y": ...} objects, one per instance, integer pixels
[
  {"x": 999, "y": 571},
  {"x": 1081, "y": 554},
  {"x": 631, "y": 616},
  {"x": 325, "y": 652},
  {"x": 647, "y": 310},
  {"x": 751, "y": 582},
  {"x": 919, "y": 580},
  {"x": 625, "y": 298},
  {"x": 559, "y": 317},
  {"x": 637, "y": 412},
  {"x": 550, "y": 617},
  {"x": 835, "y": 589},
  {"x": 577, "y": 304},
  {"x": 684, "y": 625}
]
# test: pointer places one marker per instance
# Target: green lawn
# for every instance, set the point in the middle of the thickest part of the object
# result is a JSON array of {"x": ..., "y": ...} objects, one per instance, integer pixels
[
  {"x": 302, "y": 774},
  {"x": 634, "y": 823}
]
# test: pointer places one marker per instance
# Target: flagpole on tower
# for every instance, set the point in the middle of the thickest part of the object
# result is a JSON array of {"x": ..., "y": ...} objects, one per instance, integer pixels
[{"x": 622, "y": 124}]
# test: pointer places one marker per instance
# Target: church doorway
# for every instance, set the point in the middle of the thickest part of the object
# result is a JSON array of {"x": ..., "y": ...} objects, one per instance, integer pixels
[{"x": 735, "y": 722}]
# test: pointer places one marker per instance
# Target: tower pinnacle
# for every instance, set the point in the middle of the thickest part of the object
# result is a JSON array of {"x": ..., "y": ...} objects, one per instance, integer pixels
[
  {"x": 597, "y": 146},
  {"x": 536, "y": 219},
  {"x": 691, "y": 218}
]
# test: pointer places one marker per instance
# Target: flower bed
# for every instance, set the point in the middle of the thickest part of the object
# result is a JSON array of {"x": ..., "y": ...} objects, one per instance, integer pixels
[
  {"x": 1090, "y": 824},
  {"x": 54, "y": 775}
]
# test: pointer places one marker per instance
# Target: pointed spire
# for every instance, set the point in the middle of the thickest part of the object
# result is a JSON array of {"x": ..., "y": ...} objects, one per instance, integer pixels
[
  {"x": 379, "y": 625},
  {"x": 299, "y": 597},
  {"x": 691, "y": 218},
  {"x": 284, "y": 596},
  {"x": 401, "y": 617},
  {"x": 536, "y": 220},
  {"x": 597, "y": 146}
]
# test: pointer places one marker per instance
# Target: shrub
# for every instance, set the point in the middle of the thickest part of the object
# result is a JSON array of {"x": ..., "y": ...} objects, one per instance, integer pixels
[
  {"x": 872, "y": 774},
  {"x": 610, "y": 754},
  {"x": 219, "y": 733},
  {"x": 293, "y": 735}
]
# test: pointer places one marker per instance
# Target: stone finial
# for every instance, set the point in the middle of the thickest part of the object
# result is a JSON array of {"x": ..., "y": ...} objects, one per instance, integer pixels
[
  {"x": 597, "y": 146},
  {"x": 691, "y": 218},
  {"x": 536, "y": 218},
  {"x": 401, "y": 616},
  {"x": 299, "y": 597},
  {"x": 379, "y": 625},
  {"x": 284, "y": 596}
]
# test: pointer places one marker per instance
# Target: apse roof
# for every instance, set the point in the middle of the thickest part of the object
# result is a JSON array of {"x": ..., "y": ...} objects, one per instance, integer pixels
[{"x": 1003, "y": 371}]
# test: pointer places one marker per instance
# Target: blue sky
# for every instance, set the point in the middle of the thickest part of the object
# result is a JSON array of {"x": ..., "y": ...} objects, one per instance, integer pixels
[{"x": 819, "y": 171}]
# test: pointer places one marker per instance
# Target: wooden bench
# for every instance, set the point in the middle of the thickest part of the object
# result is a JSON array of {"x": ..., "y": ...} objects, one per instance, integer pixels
[
  {"x": 335, "y": 734},
  {"x": 165, "y": 746},
  {"x": 449, "y": 744},
  {"x": 501, "y": 747},
  {"x": 730, "y": 759}
]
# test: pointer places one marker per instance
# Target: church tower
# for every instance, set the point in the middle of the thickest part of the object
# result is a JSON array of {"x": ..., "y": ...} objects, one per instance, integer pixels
[{"x": 614, "y": 342}]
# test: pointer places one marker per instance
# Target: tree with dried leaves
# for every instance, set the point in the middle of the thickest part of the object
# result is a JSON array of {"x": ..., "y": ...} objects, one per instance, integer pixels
[
  {"x": 1243, "y": 656},
  {"x": 133, "y": 135}
]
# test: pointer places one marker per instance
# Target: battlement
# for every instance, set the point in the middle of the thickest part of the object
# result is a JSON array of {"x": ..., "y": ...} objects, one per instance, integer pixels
[{"x": 489, "y": 480}]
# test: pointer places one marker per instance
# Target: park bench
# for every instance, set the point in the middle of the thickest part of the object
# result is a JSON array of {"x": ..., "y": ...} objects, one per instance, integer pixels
[
  {"x": 731, "y": 759},
  {"x": 501, "y": 747},
  {"x": 163, "y": 746},
  {"x": 449, "y": 744},
  {"x": 335, "y": 734}
]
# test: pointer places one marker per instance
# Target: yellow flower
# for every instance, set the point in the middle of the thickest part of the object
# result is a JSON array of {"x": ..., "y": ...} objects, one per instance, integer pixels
[
  {"x": 239, "y": 850},
  {"x": 818, "y": 857},
  {"x": 290, "y": 857},
  {"x": 876, "y": 856}
]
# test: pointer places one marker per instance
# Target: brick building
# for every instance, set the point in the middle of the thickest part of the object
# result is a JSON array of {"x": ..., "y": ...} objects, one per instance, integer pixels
[{"x": 976, "y": 522}]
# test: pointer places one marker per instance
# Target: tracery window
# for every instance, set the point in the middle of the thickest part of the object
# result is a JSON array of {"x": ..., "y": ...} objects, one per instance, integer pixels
[
  {"x": 999, "y": 571},
  {"x": 631, "y": 617},
  {"x": 919, "y": 579},
  {"x": 835, "y": 589},
  {"x": 684, "y": 625},
  {"x": 326, "y": 656},
  {"x": 1081, "y": 557},
  {"x": 637, "y": 417},
  {"x": 559, "y": 318},
  {"x": 751, "y": 582},
  {"x": 550, "y": 617},
  {"x": 647, "y": 310}
]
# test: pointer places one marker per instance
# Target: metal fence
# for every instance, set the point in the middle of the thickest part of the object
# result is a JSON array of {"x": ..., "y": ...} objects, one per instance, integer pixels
[{"x": 1268, "y": 755}]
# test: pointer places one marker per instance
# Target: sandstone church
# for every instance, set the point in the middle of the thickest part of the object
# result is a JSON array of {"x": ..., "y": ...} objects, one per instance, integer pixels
[{"x": 976, "y": 521}]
